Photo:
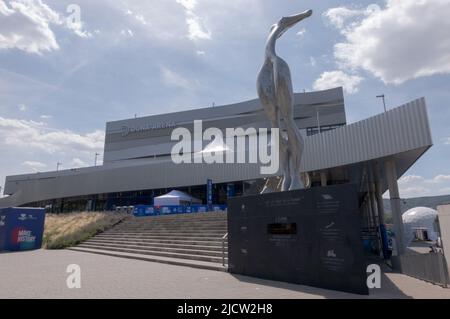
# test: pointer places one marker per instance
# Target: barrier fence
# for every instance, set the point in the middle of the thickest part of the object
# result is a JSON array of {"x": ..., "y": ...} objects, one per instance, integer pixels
[{"x": 431, "y": 267}]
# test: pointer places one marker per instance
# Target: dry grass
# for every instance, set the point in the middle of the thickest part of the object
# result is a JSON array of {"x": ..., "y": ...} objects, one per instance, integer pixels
[{"x": 67, "y": 230}]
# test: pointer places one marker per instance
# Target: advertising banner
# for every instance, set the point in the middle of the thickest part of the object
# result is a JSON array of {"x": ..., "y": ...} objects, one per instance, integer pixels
[
  {"x": 209, "y": 192},
  {"x": 21, "y": 228},
  {"x": 145, "y": 211}
]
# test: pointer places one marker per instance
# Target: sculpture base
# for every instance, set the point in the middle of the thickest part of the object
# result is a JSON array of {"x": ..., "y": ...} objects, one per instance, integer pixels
[{"x": 310, "y": 237}]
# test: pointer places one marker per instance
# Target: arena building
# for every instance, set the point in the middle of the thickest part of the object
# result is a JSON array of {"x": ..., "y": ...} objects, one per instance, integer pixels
[{"x": 137, "y": 167}]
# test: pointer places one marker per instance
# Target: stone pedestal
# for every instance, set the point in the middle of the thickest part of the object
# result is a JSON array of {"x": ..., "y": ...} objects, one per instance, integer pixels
[{"x": 310, "y": 237}]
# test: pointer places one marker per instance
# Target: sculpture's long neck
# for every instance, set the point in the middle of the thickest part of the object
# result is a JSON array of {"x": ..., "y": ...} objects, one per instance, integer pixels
[{"x": 270, "y": 46}]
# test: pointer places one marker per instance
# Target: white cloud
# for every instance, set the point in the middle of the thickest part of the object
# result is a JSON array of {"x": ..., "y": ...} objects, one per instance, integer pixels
[
  {"x": 339, "y": 17},
  {"x": 46, "y": 117},
  {"x": 127, "y": 33},
  {"x": 447, "y": 141},
  {"x": 312, "y": 61},
  {"x": 301, "y": 32},
  {"x": 188, "y": 4},
  {"x": 34, "y": 165},
  {"x": 408, "y": 179},
  {"x": 26, "y": 25},
  {"x": 76, "y": 163},
  {"x": 417, "y": 186},
  {"x": 24, "y": 134},
  {"x": 403, "y": 41},
  {"x": 78, "y": 29},
  {"x": 139, "y": 17},
  {"x": 196, "y": 28},
  {"x": 408, "y": 192},
  {"x": 22, "y": 107},
  {"x": 333, "y": 79},
  {"x": 441, "y": 179},
  {"x": 174, "y": 79}
]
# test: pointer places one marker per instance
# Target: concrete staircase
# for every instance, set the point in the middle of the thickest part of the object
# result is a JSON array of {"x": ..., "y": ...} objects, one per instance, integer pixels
[{"x": 193, "y": 240}]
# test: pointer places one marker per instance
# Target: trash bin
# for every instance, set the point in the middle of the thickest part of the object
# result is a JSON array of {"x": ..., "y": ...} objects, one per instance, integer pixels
[{"x": 21, "y": 228}]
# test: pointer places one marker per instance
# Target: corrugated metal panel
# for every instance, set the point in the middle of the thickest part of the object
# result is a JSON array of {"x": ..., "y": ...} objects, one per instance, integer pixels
[{"x": 399, "y": 130}]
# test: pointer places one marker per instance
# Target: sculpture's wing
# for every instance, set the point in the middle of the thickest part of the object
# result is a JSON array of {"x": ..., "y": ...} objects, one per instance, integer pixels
[
  {"x": 283, "y": 86},
  {"x": 266, "y": 91}
]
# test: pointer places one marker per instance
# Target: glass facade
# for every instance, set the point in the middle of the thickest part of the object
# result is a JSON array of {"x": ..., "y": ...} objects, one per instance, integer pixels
[{"x": 107, "y": 202}]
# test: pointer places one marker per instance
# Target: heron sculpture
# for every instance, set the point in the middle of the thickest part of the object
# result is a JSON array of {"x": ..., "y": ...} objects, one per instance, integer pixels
[{"x": 276, "y": 94}]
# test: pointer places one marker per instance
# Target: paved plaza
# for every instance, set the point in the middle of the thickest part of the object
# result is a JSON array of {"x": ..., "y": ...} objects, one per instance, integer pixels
[{"x": 42, "y": 274}]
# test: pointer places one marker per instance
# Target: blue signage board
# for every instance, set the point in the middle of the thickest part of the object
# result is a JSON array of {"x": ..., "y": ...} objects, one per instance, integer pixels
[
  {"x": 209, "y": 192},
  {"x": 231, "y": 192},
  {"x": 21, "y": 228},
  {"x": 145, "y": 210}
]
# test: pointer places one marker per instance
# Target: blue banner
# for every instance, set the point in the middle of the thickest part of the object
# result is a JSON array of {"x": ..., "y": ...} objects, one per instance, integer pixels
[
  {"x": 231, "y": 192},
  {"x": 21, "y": 228},
  {"x": 209, "y": 192},
  {"x": 145, "y": 211}
]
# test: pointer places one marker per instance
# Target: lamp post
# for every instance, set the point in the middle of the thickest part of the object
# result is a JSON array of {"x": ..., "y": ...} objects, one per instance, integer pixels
[
  {"x": 58, "y": 165},
  {"x": 384, "y": 101},
  {"x": 96, "y": 156}
]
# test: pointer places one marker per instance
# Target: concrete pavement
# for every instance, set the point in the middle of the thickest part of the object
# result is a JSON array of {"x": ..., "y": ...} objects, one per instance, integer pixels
[{"x": 42, "y": 274}]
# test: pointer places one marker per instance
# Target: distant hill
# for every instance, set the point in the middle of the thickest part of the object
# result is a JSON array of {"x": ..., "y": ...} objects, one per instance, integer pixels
[{"x": 408, "y": 203}]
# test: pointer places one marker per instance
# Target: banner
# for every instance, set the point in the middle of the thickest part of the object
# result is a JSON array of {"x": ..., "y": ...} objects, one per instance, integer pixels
[
  {"x": 231, "y": 192},
  {"x": 21, "y": 228},
  {"x": 209, "y": 192},
  {"x": 145, "y": 210}
]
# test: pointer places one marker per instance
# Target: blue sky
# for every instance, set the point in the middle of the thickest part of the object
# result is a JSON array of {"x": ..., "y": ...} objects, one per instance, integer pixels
[{"x": 60, "y": 82}]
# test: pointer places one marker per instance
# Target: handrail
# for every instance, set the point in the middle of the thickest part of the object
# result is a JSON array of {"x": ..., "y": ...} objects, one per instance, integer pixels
[{"x": 223, "y": 248}]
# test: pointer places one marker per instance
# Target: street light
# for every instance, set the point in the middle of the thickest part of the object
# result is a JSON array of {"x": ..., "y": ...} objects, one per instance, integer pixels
[
  {"x": 58, "y": 165},
  {"x": 384, "y": 100},
  {"x": 96, "y": 156}
]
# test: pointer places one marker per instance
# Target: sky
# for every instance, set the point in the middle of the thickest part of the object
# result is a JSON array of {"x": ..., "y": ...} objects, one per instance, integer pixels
[{"x": 63, "y": 78}]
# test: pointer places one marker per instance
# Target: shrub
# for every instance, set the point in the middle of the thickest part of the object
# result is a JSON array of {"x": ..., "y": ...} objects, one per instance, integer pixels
[{"x": 66, "y": 230}]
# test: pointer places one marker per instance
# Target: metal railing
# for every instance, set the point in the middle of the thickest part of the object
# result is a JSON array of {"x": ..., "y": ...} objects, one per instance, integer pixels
[{"x": 225, "y": 237}]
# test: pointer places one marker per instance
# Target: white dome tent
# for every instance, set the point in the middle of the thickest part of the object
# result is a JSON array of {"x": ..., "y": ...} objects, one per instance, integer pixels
[
  {"x": 175, "y": 198},
  {"x": 420, "y": 223}
]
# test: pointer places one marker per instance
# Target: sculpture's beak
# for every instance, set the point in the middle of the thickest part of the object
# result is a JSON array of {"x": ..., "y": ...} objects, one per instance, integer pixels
[{"x": 292, "y": 20}]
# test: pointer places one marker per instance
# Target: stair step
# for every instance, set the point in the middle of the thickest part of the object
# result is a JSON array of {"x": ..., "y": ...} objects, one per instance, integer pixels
[
  {"x": 156, "y": 253},
  {"x": 159, "y": 259},
  {"x": 172, "y": 219},
  {"x": 170, "y": 229},
  {"x": 167, "y": 234},
  {"x": 187, "y": 239},
  {"x": 195, "y": 251},
  {"x": 178, "y": 225},
  {"x": 215, "y": 243},
  {"x": 153, "y": 237},
  {"x": 180, "y": 245}
]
